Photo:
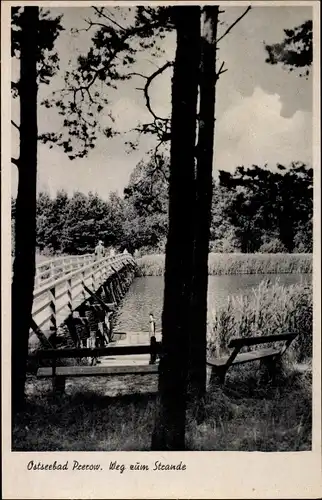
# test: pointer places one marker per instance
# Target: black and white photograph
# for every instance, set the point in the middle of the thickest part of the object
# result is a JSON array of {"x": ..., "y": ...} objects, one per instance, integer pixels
[{"x": 163, "y": 227}]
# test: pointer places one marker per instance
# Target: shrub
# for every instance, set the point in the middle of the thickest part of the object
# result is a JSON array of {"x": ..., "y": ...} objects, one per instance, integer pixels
[
  {"x": 273, "y": 246},
  {"x": 303, "y": 239},
  {"x": 270, "y": 309},
  {"x": 228, "y": 244}
]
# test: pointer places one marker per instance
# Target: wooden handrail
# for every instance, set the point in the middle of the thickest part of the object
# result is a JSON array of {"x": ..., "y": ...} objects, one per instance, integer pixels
[
  {"x": 61, "y": 280},
  {"x": 58, "y": 294},
  {"x": 52, "y": 269},
  {"x": 62, "y": 259}
]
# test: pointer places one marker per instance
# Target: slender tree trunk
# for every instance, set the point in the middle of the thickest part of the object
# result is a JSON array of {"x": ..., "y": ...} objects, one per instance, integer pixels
[
  {"x": 25, "y": 221},
  {"x": 202, "y": 219},
  {"x": 169, "y": 431}
]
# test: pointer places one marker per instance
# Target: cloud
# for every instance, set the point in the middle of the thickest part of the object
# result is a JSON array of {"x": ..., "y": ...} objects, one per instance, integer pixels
[
  {"x": 252, "y": 131},
  {"x": 128, "y": 114}
]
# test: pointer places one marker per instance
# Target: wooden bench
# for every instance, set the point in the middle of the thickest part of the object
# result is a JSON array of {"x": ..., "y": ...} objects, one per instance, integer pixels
[
  {"x": 60, "y": 373},
  {"x": 219, "y": 366},
  {"x": 267, "y": 356}
]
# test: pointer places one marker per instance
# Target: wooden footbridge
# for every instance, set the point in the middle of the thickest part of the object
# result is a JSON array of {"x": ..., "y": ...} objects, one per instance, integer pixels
[{"x": 62, "y": 285}]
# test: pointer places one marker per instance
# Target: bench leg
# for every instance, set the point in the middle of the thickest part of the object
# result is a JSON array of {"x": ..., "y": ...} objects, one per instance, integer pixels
[
  {"x": 59, "y": 384},
  {"x": 217, "y": 377},
  {"x": 153, "y": 354},
  {"x": 269, "y": 365}
]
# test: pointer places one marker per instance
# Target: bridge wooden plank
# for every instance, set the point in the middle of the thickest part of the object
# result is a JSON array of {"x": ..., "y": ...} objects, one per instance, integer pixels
[{"x": 95, "y": 371}]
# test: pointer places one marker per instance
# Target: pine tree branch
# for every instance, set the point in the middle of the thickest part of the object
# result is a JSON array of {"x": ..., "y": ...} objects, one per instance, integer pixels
[
  {"x": 147, "y": 85},
  {"x": 149, "y": 79},
  {"x": 155, "y": 155},
  {"x": 102, "y": 14},
  {"x": 234, "y": 23},
  {"x": 91, "y": 24},
  {"x": 221, "y": 70},
  {"x": 15, "y": 125}
]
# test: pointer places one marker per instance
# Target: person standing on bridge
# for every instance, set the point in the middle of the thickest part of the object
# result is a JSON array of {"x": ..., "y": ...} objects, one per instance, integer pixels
[{"x": 99, "y": 250}]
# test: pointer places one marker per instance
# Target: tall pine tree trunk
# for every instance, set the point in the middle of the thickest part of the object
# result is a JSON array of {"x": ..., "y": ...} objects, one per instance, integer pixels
[
  {"x": 202, "y": 219},
  {"x": 169, "y": 431},
  {"x": 25, "y": 221}
]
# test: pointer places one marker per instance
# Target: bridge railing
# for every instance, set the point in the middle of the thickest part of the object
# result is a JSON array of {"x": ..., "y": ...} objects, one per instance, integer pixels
[
  {"x": 52, "y": 269},
  {"x": 55, "y": 300}
]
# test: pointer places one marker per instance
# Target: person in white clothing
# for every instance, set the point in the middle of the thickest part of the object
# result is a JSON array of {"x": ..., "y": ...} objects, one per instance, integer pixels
[{"x": 99, "y": 250}]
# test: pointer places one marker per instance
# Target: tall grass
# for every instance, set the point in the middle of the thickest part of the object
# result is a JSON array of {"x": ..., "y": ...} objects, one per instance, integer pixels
[
  {"x": 237, "y": 263},
  {"x": 251, "y": 416},
  {"x": 274, "y": 263},
  {"x": 269, "y": 309},
  {"x": 118, "y": 414}
]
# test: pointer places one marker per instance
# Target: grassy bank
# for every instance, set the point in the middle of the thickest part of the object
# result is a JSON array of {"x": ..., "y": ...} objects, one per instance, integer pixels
[
  {"x": 269, "y": 309},
  {"x": 106, "y": 415},
  {"x": 237, "y": 263}
]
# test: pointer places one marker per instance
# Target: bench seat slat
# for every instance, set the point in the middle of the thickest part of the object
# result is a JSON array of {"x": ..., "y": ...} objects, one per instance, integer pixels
[
  {"x": 92, "y": 371},
  {"x": 244, "y": 357}
]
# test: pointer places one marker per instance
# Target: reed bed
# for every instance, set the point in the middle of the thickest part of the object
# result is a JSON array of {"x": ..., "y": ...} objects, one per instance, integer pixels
[
  {"x": 237, "y": 263},
  {"x": 269, "y": 309}
]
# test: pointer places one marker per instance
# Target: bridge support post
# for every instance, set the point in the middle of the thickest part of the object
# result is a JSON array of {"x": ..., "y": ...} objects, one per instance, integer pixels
[
  {"x": 53, "y": 325},
  {"x": 83, "y": 285},
  {"x": 52, "y": 305},
  {"x": 112, "y": 292},
  {"x": 70, "y": 295}
]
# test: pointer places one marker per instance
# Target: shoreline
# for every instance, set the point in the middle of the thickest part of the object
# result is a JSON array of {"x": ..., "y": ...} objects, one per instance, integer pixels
[{"x": 237, "y": 263}]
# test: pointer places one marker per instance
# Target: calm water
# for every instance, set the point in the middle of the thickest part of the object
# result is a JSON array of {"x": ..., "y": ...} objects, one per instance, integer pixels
[{"x": 146, "y": 295}]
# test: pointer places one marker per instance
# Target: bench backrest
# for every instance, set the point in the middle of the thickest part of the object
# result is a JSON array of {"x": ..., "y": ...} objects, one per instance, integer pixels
[
  {"x": 153, "y": 347},
  {"x": 249, "y": 341}
]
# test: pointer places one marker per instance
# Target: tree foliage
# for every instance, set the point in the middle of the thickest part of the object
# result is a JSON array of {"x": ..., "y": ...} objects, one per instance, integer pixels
[
  {"x": 295, "y": 51},
  {"x": 49, "y": 28},
  {"x": 254, "y": 209},
  {"x": 73, "y": 225},
  {"x": 119, "y": 36},
  {"x": 266, "y": 205}
]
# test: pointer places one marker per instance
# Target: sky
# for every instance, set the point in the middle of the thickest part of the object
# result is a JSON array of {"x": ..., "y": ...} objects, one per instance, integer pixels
[{"x": 263, "y": 112}]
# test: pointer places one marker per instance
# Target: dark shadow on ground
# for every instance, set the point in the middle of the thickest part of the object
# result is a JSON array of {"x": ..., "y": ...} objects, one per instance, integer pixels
[{"x": 85, "y": 422}]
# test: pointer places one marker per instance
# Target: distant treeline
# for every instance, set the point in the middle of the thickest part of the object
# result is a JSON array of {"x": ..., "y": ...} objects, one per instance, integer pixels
[{"x": 253, "y": 210}]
